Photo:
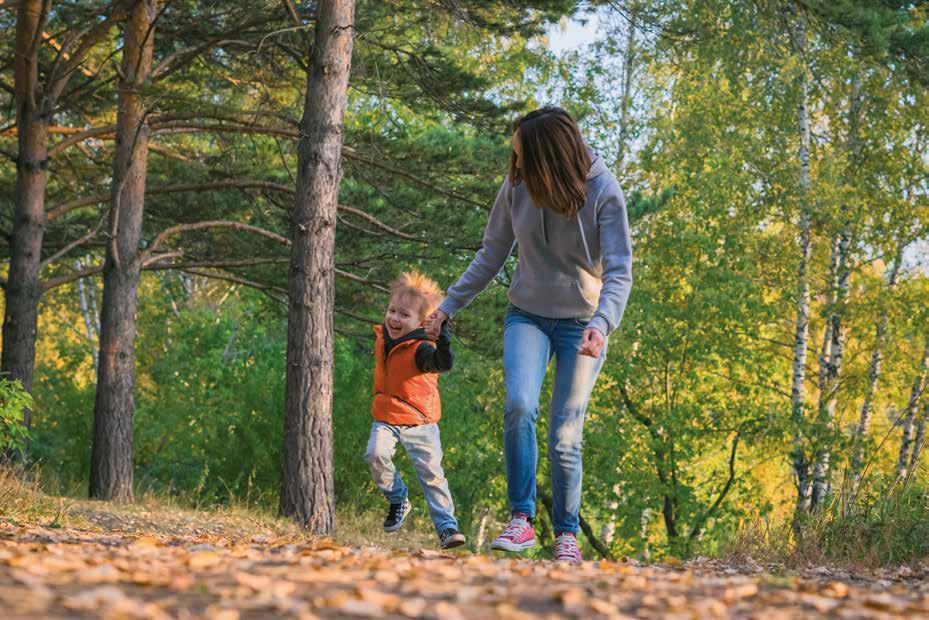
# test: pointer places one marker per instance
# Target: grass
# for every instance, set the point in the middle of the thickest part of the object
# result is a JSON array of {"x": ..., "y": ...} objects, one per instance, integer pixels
[
  {"x": 27, "y": 499},
  {"x": 882, "y": 529}
]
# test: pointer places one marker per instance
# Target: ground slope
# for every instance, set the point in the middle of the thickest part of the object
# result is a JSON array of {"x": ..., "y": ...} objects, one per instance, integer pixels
[{"x": 116, "y": 564}]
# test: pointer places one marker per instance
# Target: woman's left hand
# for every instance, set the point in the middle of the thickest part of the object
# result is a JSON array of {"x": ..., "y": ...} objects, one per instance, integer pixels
[{"x": 591, "y": 343}]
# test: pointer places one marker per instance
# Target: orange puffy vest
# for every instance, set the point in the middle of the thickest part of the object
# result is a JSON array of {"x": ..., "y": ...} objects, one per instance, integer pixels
[{"x": 403, "y": 395}]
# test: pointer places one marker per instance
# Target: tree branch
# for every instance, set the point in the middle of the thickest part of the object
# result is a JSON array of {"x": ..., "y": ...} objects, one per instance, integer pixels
[
  {"x": 698, "y": 525},
  {"x": 632, "y": 409},
  {"x": 175, "y": 60},
  {"x": 265, "y": 288},
  {"x": 289, "y": 6},
  {"x": 176, "y": 125},
  {"x": 58, "y": 79},
  {"x": 66, "y": 207},
  {"x": 77, "y": 242},
  {"x": 181, "y": 228}
]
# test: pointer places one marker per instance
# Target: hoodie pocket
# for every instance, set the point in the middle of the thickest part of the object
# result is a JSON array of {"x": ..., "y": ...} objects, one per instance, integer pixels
[
  {"x": 589, "y": 292},
  {"x": 558, "y": 299}
]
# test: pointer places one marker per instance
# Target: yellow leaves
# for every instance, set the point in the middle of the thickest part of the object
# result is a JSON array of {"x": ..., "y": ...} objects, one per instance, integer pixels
[
  {"x": 836, "y": 589},
  {"x": 573, "y": 600},
  {"x": 218, "y": 613},
  {"x": 447, "y": 611},
  {"x": 742, "y": 590},
  {"x": 413, "y": 607},
  {"x": 104, "y": 573},
  {"x": 122, "y": 576},
  {"x": 202, "y": 560},
  {"x": 144, "y": 543}
]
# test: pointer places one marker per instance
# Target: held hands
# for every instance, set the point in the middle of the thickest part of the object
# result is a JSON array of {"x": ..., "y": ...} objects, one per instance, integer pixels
[
  {"x": 591, "y": 343},
  {"x": 433, "y": 324}
]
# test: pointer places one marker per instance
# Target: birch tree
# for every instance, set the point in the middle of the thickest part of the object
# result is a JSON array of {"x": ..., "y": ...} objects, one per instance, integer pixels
[
  {"x": 801, "y": 464},
  {"x": 908, "y": 419},
  {"x": 833, "y": 347},
  {"x": 874, "y": 374}
]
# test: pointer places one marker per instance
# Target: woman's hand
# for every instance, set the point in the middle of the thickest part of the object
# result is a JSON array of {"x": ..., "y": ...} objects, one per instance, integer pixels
[
  {"x": 592, "y": 343},
  {"x": 433, "y": 324}
]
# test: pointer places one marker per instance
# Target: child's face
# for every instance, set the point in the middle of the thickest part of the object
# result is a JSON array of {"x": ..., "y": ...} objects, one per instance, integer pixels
[{"x": 402, "y": 317}]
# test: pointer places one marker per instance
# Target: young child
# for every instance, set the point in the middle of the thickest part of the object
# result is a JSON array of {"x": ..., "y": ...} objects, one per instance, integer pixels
[{"x": 406, "y": 405}]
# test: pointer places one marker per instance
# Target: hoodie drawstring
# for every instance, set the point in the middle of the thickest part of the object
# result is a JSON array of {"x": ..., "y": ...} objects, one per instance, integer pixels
[
  {"x": 544, "y": 230},
  {"x": 580, "y": 226}
]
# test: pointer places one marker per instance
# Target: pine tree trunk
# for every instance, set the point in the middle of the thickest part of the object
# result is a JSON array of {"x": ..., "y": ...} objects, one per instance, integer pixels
[
  {"x": 23, "y": 287},
  {"x": 111, "y": 459},
  {"x": 801, "y": 332},
  {"x": 909, "y": 416},
  {"x": 874, "y": 374},
  {"x": 307, "y": 477}
]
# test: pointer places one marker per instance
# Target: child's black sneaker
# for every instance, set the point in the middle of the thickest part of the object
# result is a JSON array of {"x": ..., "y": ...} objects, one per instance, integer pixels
[
  {"x": 396, "y": 514},
  {"x": 451, "y": 537}
]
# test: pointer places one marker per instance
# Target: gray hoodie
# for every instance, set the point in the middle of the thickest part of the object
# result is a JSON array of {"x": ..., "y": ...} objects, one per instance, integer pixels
[{"x": 577, "y": 268}]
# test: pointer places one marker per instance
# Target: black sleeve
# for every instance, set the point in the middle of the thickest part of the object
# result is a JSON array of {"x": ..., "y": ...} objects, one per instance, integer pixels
[{"x": 438, "y": 357}]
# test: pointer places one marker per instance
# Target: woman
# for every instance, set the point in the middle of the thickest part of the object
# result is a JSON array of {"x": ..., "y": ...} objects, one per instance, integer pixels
[{"x": 566, "y": 212}]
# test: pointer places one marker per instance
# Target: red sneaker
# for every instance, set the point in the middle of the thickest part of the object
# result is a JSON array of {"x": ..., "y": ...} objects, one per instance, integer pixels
[
  {"x": 566, "y": 549},
  {"x": 517, "y": 536}
]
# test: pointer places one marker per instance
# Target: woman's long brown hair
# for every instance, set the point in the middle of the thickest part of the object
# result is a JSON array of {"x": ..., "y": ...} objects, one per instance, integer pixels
[{"x": 555, "y": 161}]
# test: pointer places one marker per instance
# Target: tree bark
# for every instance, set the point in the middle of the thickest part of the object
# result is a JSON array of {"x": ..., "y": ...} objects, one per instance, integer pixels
[
  {"x": 909, "y": 416},
  {"x": 919, "y": 441},
  {"x": 35, "y": 105},
  {"x": 307, "y": 476},
  {"x": 111, "y": 473},
  {"x": 90, "y": 323},
  {"x": 23, "y": 288},
  {"x": 831, "y": 362},
  {"x": 629, "y": 58},
  {"x": 801, "y": 333},
  {"x": 874, "y": 374}
]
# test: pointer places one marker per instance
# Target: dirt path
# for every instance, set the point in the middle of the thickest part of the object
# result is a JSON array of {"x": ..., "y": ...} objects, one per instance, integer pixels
[{"x": 185, "y": 570}]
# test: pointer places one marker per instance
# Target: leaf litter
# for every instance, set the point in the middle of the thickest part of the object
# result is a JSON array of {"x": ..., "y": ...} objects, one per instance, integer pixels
[{"x": 210, "y": 573}]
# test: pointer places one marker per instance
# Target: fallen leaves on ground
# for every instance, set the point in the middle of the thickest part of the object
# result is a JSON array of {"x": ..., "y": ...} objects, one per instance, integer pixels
[{"x": 70, "y": 572}]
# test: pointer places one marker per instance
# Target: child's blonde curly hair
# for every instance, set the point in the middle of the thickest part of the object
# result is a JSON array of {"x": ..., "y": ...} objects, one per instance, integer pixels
[{"x": 422, "y": 291}]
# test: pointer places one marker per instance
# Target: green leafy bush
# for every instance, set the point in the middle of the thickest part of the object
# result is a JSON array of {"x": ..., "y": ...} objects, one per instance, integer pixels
[{"x": 13, "y": 401}]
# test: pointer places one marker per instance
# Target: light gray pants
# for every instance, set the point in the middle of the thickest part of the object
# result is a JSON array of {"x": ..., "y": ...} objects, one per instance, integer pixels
[{"x": 423, "y": 445}]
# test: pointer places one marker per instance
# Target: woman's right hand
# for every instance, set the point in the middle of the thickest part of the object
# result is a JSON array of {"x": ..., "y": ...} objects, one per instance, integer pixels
[{"x": 433, "y": 324}]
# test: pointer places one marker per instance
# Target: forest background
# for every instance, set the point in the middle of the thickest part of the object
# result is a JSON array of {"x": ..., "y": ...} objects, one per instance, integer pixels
[{"x": 766, "y": 388}]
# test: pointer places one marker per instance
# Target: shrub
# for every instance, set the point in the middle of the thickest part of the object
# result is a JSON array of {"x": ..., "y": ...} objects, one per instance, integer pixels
[{"x": 13, "y": 401}]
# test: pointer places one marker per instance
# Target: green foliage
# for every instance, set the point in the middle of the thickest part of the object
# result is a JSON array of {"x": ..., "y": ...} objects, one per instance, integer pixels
[
  {"x": 703, "y": 139},
  {"x": 13, "y": 400},
  {"x": 886, "y": 529}
]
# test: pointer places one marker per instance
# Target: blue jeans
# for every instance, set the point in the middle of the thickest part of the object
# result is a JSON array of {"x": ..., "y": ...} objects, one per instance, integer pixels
[
  {"x": 529, "y": 343},
  {"x": 423, "y": 445}
]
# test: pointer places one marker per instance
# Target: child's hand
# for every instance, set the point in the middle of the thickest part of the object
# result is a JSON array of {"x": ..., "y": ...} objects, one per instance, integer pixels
[{"x": 433, "y": 324}]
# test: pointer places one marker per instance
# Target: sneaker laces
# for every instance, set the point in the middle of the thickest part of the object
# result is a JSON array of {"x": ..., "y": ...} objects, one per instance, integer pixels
[
  {"x": 395, "y": 511},
  {"x": 515, "y": 527},
  {"x": 566, "y": 544}
]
